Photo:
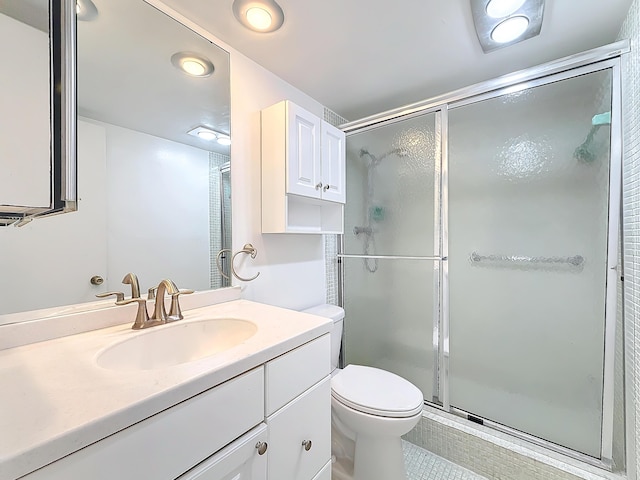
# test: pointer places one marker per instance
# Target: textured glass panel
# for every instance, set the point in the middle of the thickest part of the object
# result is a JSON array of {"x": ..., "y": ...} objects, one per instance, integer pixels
[
  {"x": 528, "y": 214},
  {"x": 389, "y": 318},
  {"x": 390, "y": 189}
]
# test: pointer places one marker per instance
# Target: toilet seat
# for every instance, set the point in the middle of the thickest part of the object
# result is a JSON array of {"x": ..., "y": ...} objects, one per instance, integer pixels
[{"x": 376, "y": 392}]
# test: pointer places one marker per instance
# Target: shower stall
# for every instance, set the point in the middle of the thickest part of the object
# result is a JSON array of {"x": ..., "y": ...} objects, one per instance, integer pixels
[{"x": 480, "y": 252}]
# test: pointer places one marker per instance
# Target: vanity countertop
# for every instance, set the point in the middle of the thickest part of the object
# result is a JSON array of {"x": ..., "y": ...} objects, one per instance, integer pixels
[{"x": 55, "y": 399}]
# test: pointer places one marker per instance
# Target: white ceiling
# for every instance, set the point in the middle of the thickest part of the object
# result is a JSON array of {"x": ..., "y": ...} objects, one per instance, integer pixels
[
  {"x": 361, "y": 57},
  {"x": 125, "y": 75}
]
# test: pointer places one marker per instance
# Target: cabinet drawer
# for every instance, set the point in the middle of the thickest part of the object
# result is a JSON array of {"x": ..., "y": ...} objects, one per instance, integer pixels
[
  {"x": 292, "y": 373},
  {"x": 168, "y": 444},
  {"x": 307, "y": 418},
  {"x": 240, "y": 460},
  {"x": 325, "y": 473}
]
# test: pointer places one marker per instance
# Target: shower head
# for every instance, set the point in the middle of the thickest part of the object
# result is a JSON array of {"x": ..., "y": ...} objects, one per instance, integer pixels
[
  {"x": 584, "y": 152},
  {"x": 400, "y": 152}
]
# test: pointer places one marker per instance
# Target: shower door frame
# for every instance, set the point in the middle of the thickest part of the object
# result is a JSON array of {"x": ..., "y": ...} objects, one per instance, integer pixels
[{"x": 603, "y": 58}]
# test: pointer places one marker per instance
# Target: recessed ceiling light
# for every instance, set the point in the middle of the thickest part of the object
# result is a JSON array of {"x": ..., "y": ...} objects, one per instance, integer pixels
[
  {"x": 86, "y": 10},
  {"x": 259, "y": 15},
  {"x": 503, "y": 8},
  {"x": 259, "y": 18},
  {"x": 192, "y": 64},
  {"x": 510, "y": 29}
]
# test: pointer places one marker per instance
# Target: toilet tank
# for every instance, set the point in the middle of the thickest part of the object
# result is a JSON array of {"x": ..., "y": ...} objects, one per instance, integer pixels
[{"x": 336, "y": 314}]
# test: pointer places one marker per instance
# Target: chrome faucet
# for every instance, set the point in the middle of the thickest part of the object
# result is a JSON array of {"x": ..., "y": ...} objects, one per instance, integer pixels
[
  {"x": 159, "y": 310},
  {"x": 132, "y": 279}
]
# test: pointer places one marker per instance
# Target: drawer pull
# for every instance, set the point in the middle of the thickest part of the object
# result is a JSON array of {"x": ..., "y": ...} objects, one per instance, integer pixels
[
  {"x": 307, "y": 445},
  {"x": 262, "y": 447}
]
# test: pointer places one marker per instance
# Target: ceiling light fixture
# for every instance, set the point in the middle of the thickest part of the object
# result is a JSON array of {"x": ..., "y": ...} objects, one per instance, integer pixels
[
  {"x": 510, "y": 29},
  {"x": 192, "y": 64},
  {"x": 259, "y": 15},
  {"x": 500, "y": 23},
  {"x": 224, "y": 139},
  {"x": 503, "y": 8},
  {"x": 209, "y": 134}
]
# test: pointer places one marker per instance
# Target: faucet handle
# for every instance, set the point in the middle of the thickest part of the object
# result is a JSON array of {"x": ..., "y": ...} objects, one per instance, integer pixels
[
  {"x": 151, "y": 293},
  {"x": 142, "y": 316},
  {"x": 175, "y": 313},
  {"x": 119, "y": 295}
]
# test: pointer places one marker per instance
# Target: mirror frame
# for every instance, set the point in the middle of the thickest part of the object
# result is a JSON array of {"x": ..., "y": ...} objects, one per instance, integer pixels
[{"x": 62, "y": 125}]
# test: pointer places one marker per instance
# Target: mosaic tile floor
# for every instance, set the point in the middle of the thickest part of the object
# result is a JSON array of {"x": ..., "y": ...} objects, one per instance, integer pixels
[{"x": 424, "y": 465}]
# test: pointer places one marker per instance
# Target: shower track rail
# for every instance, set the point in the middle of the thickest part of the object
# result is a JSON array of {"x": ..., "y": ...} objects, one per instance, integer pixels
[{"x": 576, "y": 260}]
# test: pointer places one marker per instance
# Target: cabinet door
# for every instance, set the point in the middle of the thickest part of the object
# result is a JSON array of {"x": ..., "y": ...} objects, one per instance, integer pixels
[
  {"x": 303, "y": 152},
  {"x": 333, "y": 163},
  {"x": 305, "y": 419},
  {"x": 243, "y": 459},
  {"x": 325, "y": 473}
]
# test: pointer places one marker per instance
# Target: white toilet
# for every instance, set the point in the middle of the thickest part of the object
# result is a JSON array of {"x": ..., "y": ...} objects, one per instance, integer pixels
[{"x": 370, "y": 410}]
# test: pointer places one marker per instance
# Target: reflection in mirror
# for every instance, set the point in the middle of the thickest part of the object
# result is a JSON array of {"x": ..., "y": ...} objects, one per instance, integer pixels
[
  {"x": 154, "y": 199},
  {"x": 37, "y": 169}
]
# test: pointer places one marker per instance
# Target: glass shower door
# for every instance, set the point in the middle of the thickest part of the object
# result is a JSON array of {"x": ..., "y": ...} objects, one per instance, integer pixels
[
  {"x": 390, "y": 288},
  {"x": 528, "y": 232}
]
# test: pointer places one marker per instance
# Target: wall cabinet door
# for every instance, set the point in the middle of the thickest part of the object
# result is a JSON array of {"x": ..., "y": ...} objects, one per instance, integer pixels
[
  {"x": 300, "y": 435},
  {"x": 333, "y": 163},
  {"x": 303, "y": 152}
]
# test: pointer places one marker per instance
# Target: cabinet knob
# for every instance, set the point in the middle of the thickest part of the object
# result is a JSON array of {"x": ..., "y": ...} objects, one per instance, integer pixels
[
  {"x": 261, "y": 447},
  {"x": 318, "y": 186},
  {"x": 307, "y": 445},
  {"x": 326, "y": 187}
]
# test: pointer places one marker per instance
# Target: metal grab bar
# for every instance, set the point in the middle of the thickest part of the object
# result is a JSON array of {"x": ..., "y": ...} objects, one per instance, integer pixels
[
  {"x": 576, "y": 260},
  {"x": 389, "y": 257}
]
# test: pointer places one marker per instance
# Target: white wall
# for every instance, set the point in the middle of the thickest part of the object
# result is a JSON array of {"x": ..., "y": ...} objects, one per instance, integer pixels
[
  {"x": 49, "y": 261},
  {"x": 292, "y": 272},
  {"x": 291, "y": 267},
  {"x": 24, "y": 101},
  {"x": 157, "y": 210}
]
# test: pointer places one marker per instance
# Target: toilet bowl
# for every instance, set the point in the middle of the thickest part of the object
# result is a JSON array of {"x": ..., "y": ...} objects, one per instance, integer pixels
[{"x": 370, "y": 409}]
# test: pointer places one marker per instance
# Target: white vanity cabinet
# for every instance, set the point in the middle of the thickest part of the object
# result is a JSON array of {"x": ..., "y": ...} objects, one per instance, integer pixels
[
  {"x": 171, "y": 442},
  {"x": 303, "y": 172},
  {"x": 251, "y": 427},
  {"x": 298, "y": 411},
  {"x": 244, "y": 459}
]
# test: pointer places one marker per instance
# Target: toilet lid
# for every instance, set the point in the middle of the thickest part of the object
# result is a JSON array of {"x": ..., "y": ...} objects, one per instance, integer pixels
[{"x": 377, "y": 392}]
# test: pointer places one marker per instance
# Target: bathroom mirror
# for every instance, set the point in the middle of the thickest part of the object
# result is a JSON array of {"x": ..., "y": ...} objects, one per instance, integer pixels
[
  {"x": 153, "y": 168},
  {"x": 37, "y": 169}
]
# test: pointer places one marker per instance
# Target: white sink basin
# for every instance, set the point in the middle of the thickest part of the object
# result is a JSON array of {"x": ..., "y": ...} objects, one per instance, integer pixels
[{"x": 181, "y": 342}]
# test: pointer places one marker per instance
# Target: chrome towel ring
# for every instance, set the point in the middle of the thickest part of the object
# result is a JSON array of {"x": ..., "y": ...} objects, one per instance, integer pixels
[{"x": 247, "y": 249}]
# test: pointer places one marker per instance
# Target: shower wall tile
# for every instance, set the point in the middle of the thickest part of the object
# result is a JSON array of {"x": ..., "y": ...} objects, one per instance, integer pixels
[
  {"x": 331, "y": 241},
  {"x": 216, "y": 160},
  {"x": 492, "y": 454},
  {"x": 631, "y": 224}
]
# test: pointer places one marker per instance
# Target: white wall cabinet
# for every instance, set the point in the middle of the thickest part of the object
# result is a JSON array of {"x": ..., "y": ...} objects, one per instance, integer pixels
[
  {"x": 303, "y": 172},
  {"x": 227, "y": 432}
]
